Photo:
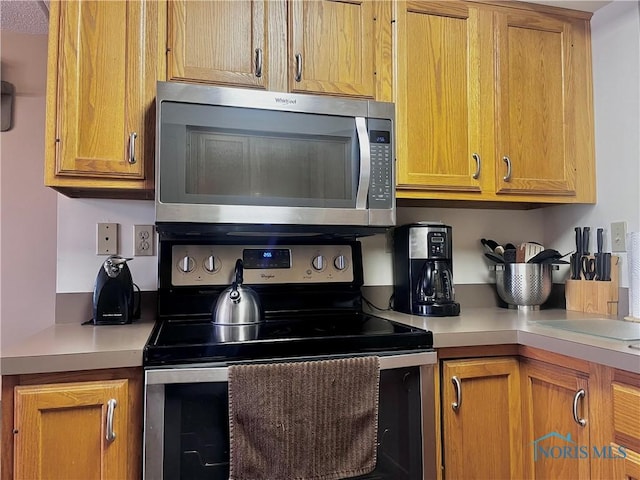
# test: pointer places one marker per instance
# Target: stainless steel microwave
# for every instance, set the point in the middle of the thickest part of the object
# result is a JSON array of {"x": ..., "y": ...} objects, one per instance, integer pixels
[{"x": 239, "y": 156}]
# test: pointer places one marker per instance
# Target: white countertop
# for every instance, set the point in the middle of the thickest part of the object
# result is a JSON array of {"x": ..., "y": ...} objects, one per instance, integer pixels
[
  {"x": 497, "y": 326},
  {"x": 69, "y": 347}
]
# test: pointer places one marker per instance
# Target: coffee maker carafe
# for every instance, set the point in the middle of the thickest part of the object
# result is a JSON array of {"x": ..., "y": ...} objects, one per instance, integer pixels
[{"x": 423, "y": 278}]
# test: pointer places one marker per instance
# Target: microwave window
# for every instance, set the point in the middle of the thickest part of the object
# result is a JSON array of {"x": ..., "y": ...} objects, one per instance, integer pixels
[
  {"x": 227, "y": 156},
  {"x": 266, "y": 165}
]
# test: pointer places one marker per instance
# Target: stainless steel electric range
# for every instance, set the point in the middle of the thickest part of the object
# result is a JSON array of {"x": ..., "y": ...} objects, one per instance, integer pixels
[{"x": 309, "y": 289}]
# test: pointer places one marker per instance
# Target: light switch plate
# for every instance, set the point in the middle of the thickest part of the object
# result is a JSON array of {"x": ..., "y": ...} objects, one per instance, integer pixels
[
  {"x": 618, "y": 237},
  {"x": 107, "y": 239}
]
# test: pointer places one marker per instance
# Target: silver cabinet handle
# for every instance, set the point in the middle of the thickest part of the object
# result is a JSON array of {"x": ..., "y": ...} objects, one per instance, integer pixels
[
  {"x": 258, "y": 62},
  {"x": 298, "y": 67},
  {"x": 458, "y": 387},
  {"x": 476, "y": 157},
  {"x": 111, "y": 406},
  {"x": 580, "y": 421},
  {"x": 507, "y": 160},
  {"x": 132, "y": 147}
]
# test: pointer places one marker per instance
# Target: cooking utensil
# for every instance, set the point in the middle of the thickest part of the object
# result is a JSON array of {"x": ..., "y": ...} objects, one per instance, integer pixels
[
  {"x": 577, "y": 258},
  {"x": 527, "y": 250},
  {"x": 606, "y": 267},
  {"x": 546, "y": 255},
  {"x": 585, "y": 240},
  {"x": 588, "y": 267},
  {"x": 509, "y": 255},
  {"x": 494, "y": 258},
  {"x": 524, "y": 285},
  {"x": 237, "y": 304},
  {"x": 492, "y": 244},
  {"x": 598, "y": 255}
]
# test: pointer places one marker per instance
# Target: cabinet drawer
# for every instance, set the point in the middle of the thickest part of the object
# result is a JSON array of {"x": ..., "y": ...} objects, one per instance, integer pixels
[{"x": 626, "y": 415}]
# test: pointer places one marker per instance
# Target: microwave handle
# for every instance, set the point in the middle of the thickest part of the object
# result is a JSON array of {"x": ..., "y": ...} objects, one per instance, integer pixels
[{"x": 365, "y": 163}]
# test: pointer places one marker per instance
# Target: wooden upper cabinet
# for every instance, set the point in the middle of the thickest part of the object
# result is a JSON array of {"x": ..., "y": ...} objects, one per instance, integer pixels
[
  {"x": 534, "y": 104},
  {"x": 60, "y": 431},
  {"x": 224, "y": 42},
  {"x": 494, "y": 103},
  {"x": 438, "y": 96},
  {"x": 100, "y": 93},
  {"x": 332, "y": 47},
  {"x": 481, "y": 418},
  {"x": 320, "y": 46}
]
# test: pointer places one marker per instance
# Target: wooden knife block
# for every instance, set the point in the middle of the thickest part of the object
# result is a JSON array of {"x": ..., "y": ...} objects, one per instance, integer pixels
[{"x": 593, "y": 296}]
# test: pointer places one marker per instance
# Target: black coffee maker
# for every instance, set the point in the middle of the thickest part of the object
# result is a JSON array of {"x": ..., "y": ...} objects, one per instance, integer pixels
[
  {"x": 422, "y": 270},
  {"x": 114, "y": 301}
]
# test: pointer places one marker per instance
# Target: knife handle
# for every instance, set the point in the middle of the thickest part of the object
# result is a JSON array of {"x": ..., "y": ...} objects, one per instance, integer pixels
[
  {"x": 578, "y": 242},
  {"x": 599, "y": 239},
  {"x": 585, "y": 240}
]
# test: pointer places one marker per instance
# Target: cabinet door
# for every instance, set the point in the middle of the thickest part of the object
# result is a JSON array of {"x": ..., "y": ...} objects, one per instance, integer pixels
[
  {"x": 332, "y": 47},
  {"x": 221, "y": 42},
  {"x": 534, "y": 105},
  {"x": 99, "y": 89},
  {"x": 61, "y": 431},
  {"x": 438, "y": 96},
  {"x": 554, "y": 441},
  {"x": 481, "y": 418}
]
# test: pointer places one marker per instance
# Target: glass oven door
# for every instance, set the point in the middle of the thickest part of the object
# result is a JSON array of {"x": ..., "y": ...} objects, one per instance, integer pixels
[{"x": 187, "y": 425}]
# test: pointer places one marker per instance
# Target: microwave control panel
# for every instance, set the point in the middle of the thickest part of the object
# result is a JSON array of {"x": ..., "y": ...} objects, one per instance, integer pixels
[
  {"x": 262, "y": 264},
  {"x": 382, "y": 182}
]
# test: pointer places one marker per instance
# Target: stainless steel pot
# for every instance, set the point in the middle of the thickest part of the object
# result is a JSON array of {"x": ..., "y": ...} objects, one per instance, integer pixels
[{"x": 237, "y": 304}]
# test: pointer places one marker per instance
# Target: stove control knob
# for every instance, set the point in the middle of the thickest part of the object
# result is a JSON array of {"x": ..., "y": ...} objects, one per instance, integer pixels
[
  {"x": 211, "y": 264},
  {"x": 318, "y": 263},
  {"x": 186, "y": 264},
  {"x": 340, "y": 262}
]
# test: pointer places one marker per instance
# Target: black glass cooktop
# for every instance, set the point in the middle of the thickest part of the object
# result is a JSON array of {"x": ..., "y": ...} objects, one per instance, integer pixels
[{"x": 177, "y": 341}]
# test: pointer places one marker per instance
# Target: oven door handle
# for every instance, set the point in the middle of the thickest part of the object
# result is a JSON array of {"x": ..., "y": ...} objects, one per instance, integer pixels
[
  {"x": 365, "y": 163},
  {"x": 165, "y": 376}
]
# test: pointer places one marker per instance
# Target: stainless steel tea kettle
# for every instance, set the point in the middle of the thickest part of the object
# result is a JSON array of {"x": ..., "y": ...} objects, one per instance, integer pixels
[{"x": 237, "y": 304}]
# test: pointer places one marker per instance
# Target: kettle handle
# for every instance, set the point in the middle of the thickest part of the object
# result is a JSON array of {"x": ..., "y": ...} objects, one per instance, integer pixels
[{"x": 238, "y": 270}]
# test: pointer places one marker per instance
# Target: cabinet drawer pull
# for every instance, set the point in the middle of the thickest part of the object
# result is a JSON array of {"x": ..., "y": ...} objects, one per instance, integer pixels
[
  {"x": 580, "y": 421},
  {"x": 476, "y": 157},
  {"x": 458, "y": 388},
  {"x": 132, "y": 147},
  {"x": 111, "y": 406},
  {"x": 258, "y": 62},
  {"x": 507, "y": 160},
  {"x": 298, "y": 67}
]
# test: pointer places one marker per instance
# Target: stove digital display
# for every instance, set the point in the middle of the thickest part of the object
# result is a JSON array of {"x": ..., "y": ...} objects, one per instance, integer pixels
[{"x": 266, "y": 258}]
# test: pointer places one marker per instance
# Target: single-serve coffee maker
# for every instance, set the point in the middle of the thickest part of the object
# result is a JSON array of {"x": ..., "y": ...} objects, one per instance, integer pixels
[{"x": 423, "y": 264}]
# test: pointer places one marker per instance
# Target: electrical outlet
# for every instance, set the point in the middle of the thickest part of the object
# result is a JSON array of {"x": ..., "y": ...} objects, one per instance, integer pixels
[
  {"x": 618, "y": 236},
  {"x": 143, "y": 240},
  {"x": 107, "y": 239}
]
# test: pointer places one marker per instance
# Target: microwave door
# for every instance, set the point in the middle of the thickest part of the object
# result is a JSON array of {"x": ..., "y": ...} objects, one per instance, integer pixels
[{"x": 365, "y": 164}]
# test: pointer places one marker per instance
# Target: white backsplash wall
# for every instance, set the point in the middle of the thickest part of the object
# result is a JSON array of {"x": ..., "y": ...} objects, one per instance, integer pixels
[
  {"x": 469, "y": 226},
  {"x": 78, "y": 263},
  {"x": 615, "y": 34}
]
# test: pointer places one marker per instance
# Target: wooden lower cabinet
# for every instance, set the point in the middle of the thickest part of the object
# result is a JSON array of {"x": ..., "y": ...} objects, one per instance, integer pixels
[
  {"x": 555, "y": 404},
  {"x": 85, "y": 429},
  {"x": 625, "y": 392},
  {"x": 481, "y": 418}
]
